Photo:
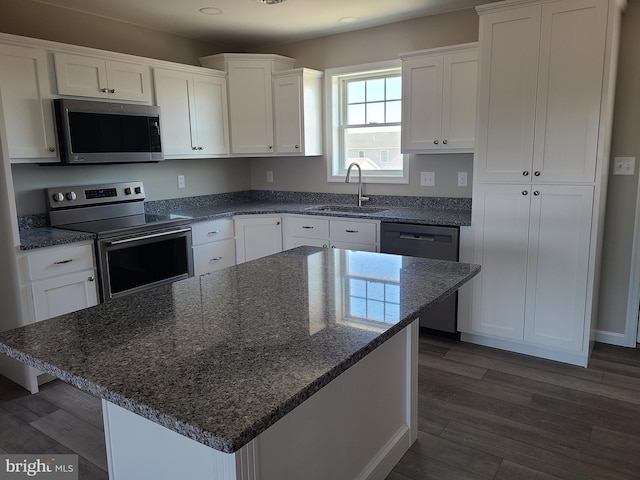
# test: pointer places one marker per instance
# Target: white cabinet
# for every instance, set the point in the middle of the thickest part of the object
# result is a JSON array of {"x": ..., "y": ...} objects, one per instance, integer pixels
[
  {"x": 545, "y": 109},
  {"x": 533, "y": 244},
  {"x": 439, "y": 90},
  {"x": 257, "y": 236},
  {"x": 297, "y": 108},
  {"x": 540, "y": 84},
  {"x": 61, "y": 279},
  {"x": 26, "y": 104},
  {"x": 213, "y": 245},
  {"x": 194, "y": 112},
  {"x": 320, "y": 231},
  {"x": 87, "y": 76}
]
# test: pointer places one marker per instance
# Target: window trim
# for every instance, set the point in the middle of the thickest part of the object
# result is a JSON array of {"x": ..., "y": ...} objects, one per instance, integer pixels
[{"x": 332, "y": 120}]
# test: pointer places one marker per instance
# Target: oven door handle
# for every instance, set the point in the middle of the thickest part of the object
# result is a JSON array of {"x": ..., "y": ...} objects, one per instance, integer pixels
[{"x": 152, "y": 235}]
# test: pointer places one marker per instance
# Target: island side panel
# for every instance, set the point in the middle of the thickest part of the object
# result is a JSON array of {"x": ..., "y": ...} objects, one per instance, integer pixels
[{"x": 357, "y": 427}]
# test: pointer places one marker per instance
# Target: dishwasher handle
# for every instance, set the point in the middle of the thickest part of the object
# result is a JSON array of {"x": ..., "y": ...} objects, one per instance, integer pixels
[{"x": 418, "y": 236}]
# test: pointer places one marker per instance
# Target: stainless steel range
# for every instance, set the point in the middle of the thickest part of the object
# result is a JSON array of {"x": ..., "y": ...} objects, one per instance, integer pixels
[{"x": 134, "y": 250}]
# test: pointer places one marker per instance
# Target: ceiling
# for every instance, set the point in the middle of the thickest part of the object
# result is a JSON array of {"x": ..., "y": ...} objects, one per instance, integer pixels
[{"x": 245, "y": 24}]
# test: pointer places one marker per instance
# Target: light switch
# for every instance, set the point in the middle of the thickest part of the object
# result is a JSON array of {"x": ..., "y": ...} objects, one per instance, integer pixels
[{"x": 624, "y": 165}]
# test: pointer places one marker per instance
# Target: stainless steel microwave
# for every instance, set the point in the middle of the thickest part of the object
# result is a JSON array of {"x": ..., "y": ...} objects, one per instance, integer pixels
[{"x": 91, "y": 132}]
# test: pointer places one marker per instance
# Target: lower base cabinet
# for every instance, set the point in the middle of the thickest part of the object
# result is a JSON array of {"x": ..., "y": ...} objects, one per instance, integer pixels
[
  {"x": 54, "y": 281},
  {"x": 351, "y": 234},
  {"x": 257, "y": 236},
  {"x": 213, "y": 245},
  {"x": 533, "y": 242}
]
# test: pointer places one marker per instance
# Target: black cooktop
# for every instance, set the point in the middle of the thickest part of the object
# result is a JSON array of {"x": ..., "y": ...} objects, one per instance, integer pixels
[{"x": 128, "y": 224}]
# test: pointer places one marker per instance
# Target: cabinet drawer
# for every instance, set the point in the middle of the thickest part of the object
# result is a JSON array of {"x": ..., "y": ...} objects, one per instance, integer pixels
[
  {"x": 214, "y": 256},
  {"x": 353, "y": 232},
  {"x": 211, "y": 230},
  {"x": 56, "y": 261},
  {"x": 307, "y": 227}
]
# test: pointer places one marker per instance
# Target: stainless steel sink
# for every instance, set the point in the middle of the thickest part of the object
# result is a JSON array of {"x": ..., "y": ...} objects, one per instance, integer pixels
[{"x": 346, "y": 209}]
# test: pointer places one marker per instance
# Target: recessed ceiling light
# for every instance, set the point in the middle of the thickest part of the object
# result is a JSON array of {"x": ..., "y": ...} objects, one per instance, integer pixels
[
  {"x": 269, "y": 2},
  {"x": 349, "y": 20},
  {"x": 210, "y": 11}
]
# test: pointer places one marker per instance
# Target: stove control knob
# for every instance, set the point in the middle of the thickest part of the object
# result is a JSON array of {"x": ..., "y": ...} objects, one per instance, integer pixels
[
  {"x": 127, "y": 191},
  {"x": 138, "y": 190},
  {"x": 71, "y": 196},
  {"x": 58, "y": 197}
]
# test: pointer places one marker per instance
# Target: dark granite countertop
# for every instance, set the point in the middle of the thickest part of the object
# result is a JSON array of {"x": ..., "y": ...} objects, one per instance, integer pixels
[
  {"x": 221, "y": 357},
  {"x": 35, "y": 237}
]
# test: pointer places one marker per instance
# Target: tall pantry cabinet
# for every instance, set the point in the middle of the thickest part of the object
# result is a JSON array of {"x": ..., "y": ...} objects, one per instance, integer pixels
[{"x": 545, "y": 102}]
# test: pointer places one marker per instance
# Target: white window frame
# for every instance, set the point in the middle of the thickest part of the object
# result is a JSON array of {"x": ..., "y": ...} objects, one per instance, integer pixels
[{"x": 333, "y": 115}]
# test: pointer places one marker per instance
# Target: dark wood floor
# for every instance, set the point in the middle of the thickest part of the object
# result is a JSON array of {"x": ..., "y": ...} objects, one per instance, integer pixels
[{"x": 483, "y": 414}]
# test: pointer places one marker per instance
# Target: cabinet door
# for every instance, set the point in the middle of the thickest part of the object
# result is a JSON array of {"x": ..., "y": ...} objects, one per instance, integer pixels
[
  {"x": 421, "y": 104},
  {"x": 128, "y": 81},
  {"x": 67, "y": 293},
  {"x": 569, "y": 90},
  {"x": 500, "y": 218},
  {"x": 287, "y": 110},
  {"x": 250, "y": 107},
  {"x": 257, "y": 237},
  {"x": 25, "y": 97},
  {"x": 558, "y": 265},
  {"x": 81, "y": 75},
  {"x": 508, "y": 63},
  {"x": 174, "y": 96},
  {"x": 211, "y": 115},
  {"x": 459, "y": 94}
]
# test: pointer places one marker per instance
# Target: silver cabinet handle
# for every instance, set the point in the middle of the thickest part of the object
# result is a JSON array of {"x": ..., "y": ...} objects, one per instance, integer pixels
[
  {"x": 351, "y": 231},
  {"x": 270, "y": 147},
  {"x": 113, "y": 90},
  {"x": 200, "y": 148},
  {"x": 52, "y": 149},
  {"x": 152, "y": 235},
  {"x": 524, "y": 192},
  {"x": 525, "y": 173},
  {"x": 445, "y": 141},
  {"x": 536, "y": 193},
  {"x": 307, "y": 227},
  {"x": 215, "y": 259},
  {"x": 213, "y": 232},
  {"x": 277, "y": 223},
  {"x": 537, "y": 173},
  {"x": 104, "y": 90},
  {"x": 324, "y": 245},
  {"x": 435, "y": 142},
  {"x": 62, "y": 262},
  {"x": 297, "y": 147},
  {"x": 194, "y": 148},
  {"x": 90, "y": 279}
]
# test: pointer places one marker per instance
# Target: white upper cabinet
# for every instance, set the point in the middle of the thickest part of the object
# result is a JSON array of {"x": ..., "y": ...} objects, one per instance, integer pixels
[
  {"x": 87, "y": 76},
  {"x": 439, "y": 99},
  {"x": 194, "y": 113},
  {"x": 297, "y": 108},
  {"x": 27, "y": 108},
  {"x": 250, "y": 98},
  {"x": 540, "y": 92}
]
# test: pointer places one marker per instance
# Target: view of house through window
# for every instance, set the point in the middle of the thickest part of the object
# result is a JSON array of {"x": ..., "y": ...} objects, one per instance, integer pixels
[{"x": 366, "y": 123}]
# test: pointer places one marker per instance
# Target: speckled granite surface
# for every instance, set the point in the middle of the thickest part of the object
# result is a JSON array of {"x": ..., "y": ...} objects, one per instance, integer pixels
[
  {"x": 221, "y": 357},
  {"x": 418, "y": 210}
]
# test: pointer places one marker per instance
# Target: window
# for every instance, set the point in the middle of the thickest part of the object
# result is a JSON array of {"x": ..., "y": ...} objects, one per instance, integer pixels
[{"x": 365, "y": 122}]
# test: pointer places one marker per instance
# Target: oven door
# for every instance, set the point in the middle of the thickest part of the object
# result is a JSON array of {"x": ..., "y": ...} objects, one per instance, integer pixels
[{"x": 133, "y": 263}]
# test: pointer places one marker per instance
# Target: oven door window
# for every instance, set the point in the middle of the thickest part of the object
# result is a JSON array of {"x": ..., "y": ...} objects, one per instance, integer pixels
[{"x": 136, "y": 265}]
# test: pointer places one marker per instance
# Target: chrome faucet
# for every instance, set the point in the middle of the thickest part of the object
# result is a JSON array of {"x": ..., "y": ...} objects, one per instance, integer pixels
[{"x": 346, "y": 180}]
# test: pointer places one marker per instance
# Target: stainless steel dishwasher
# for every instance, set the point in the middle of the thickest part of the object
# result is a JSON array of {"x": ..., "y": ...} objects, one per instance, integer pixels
[{"x": 440, "y": 243}]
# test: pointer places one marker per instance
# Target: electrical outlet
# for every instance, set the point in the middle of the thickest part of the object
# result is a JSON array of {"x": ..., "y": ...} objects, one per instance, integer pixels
[
  {"x": 180, "y": 181},
  {"x": 462, "y": 179},
  {"x": 428, "y": 179},
  {"x": 624, "y": 165},
  {"x": 269, "y": 176}
]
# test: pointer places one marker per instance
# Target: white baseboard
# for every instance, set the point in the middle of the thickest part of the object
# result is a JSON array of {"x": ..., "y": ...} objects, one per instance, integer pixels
[{"x": 613, "y": 338}]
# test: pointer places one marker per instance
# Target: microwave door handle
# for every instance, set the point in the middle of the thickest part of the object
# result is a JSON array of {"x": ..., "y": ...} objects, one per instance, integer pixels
[{"x": 146, "y": 237}]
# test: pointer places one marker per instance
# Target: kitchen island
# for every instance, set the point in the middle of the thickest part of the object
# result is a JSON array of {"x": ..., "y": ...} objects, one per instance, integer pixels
[{"x": 302, "y": 364}]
